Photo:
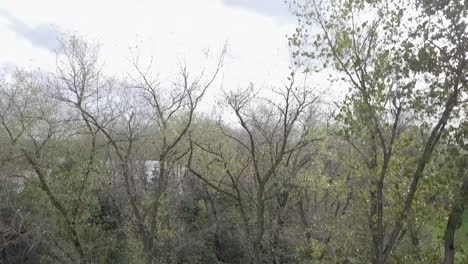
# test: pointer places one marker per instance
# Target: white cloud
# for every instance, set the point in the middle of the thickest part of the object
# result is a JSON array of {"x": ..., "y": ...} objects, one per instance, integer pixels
[{"x": 170, "y": 30}]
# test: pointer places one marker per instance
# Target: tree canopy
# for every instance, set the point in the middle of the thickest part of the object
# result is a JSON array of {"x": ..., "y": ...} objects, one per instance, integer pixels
[{"x": 100, "y": 169}]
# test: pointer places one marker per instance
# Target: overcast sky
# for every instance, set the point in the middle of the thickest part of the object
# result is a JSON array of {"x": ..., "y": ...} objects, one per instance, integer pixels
[{"x": 168, "y": 30}]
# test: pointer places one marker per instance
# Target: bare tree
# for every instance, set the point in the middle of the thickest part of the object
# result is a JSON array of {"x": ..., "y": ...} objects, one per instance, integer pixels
[
  {"x": 125, "y": 114},
  {"x": 267, "y": 138}
]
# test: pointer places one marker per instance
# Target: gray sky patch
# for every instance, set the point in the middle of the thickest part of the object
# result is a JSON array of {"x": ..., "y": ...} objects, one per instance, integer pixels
[
  {"x": 277, "y": 9},
  {"x": 43, "y": 36}
]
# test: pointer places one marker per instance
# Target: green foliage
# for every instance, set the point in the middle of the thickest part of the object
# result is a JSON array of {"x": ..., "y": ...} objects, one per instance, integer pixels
[{"x": 376, "y": 184}]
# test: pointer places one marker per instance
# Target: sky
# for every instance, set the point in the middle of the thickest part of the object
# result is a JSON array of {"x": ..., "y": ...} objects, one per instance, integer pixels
[{"x": 168, "y": 31}]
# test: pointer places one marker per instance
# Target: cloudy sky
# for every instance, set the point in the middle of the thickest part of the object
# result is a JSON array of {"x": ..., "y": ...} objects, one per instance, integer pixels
[{"x": 168, "y": 29}]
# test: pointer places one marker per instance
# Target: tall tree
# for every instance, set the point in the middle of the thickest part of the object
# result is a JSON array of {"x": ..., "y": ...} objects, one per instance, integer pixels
[
  {"x": 255, "y": 165},
  {"x": 398, "y": 76},
  {"x": 130, "y": 114}
]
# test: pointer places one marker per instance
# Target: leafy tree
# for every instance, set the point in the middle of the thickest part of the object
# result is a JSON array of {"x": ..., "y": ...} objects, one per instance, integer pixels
[{"x": 398, "y": 77}]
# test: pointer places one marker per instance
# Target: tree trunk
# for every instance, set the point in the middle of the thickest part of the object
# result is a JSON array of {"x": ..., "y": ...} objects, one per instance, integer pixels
[
  {"x": 455, "y": 217},
  {"x": 69, "y": 224},
  {"x": 148, "y": 247},
  {"x": 260, "y": 227}
]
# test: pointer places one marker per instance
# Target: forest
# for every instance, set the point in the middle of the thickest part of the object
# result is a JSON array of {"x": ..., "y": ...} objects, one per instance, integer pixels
[{"x": 108, "y": 169}]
